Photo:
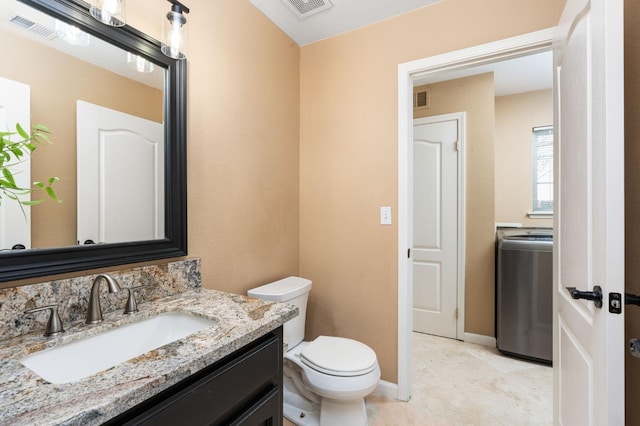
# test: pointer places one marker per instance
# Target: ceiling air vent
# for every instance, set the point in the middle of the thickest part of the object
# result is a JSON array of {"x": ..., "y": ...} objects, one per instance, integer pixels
[
  {"x": 37, "y": 29},
  {"x": 306, "y": 8},
  {"x": 421, "y": 99}
]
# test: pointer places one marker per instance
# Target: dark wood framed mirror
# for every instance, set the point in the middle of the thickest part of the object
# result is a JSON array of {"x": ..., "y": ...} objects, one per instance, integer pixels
[{"x": 35, "y": 262}]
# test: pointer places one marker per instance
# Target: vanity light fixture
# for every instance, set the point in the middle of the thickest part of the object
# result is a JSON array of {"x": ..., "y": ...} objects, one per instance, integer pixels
[
  {"x": 109, "y": 12},
  {"x": 139, "y": 63},
  {"x": 71, "y": 34},
  {"x": 174, "y": 34}
]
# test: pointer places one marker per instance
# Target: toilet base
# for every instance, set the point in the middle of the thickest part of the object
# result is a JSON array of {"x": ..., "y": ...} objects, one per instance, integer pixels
[
  {"x": 297, "y": 409},
  {"x": 343, "y": 413},
  {"x": 329, "y": 412}
]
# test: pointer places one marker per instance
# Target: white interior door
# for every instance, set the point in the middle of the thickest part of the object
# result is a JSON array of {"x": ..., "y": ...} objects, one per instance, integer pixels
[
  {"x": 120, "y": 176},
  {"x": 589, "y": 216},
  {"x": 435, "y": 223},
  {"x": 15, "y": 107}
]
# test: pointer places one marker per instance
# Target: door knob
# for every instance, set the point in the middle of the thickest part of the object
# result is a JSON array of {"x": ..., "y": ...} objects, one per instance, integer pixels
[
  {"x": 595, "y": 295},
  {"x": 634, "y": 347}
]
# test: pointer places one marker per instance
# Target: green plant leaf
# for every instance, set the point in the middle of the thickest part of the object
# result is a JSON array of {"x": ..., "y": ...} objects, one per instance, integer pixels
[
  {"x": 16, "y": 152},
  {"x": 21, "y": 131},
  {"x": 41, "y": 137},
  {"x": 32, "y": 202},
  {"x": 13, "y": 153},
  {"x": 9, "y": 177},
  {"x": 52, "y": 194}
]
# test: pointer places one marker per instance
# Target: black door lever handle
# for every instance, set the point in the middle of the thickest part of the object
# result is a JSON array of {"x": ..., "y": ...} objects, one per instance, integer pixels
[
  {"x": 595, "y": 295},
  {"x": 631, "y": 299}
]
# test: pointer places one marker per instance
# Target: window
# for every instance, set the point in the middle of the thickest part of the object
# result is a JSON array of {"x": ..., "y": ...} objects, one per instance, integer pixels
[{"x": 542, "y": 170}]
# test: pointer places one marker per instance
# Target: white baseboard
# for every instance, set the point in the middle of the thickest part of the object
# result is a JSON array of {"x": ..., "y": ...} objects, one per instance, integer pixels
[
  {"x": 480, "y": 339},
  {"x": 388, "y": 389}
]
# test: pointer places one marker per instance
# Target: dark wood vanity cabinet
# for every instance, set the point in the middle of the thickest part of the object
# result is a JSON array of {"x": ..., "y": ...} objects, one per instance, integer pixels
[{"x": 244, "y": 388}]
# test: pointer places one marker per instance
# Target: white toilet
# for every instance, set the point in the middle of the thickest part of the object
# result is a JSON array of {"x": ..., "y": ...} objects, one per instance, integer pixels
[{"x": 326, "y": 380}]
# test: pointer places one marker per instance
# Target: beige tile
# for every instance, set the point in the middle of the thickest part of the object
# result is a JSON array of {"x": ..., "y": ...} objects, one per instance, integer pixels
[{"x": 458, "y": 383}]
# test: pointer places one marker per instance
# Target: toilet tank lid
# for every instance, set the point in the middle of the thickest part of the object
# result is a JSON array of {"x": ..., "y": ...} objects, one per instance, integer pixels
[{"x": 282, "y": 290}]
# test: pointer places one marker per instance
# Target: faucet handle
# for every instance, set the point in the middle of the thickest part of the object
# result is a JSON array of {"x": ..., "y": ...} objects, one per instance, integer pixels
[
  {"x": 54, "y": 325},
  {"x": 132, "y": 305}
]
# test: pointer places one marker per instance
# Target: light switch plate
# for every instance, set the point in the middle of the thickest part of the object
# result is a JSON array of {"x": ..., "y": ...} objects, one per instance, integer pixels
[{"x": 385, "y": 215}]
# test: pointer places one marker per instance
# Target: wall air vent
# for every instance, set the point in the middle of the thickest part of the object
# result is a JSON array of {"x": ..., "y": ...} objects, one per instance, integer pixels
[
  {"x": 421, "y": 99},
  {"x": 37, "y": 29},
  {"x": 306, "y": 8}
]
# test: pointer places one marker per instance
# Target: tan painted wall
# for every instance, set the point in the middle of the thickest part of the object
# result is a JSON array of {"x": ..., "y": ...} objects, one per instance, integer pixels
[
  {"x": 475, "y": 96},
  {"x": 243, "y": 131},
  {"x": 57, "y": 81},
  {"x": 516, "y": 116},
  {"x": 348, "y": 157},
  {"x": 632, "y": 200}
]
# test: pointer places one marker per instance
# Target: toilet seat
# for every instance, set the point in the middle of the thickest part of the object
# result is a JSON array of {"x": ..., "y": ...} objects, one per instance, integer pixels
[
  {"x": 330, "y": 385},
  {"x": 339, "y": 356}
]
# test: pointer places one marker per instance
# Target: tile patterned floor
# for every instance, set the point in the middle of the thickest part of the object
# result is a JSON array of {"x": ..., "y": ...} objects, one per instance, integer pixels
[{"x": 457, "y": 383}]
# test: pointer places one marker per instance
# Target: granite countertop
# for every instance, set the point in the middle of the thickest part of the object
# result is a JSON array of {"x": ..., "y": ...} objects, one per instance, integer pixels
[{"x": 27, "y": 399}]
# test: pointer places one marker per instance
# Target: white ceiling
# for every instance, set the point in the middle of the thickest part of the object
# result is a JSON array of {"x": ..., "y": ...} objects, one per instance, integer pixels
[
  {"x": 525, "y": 74},
  {"x": 345, "y": 15},
  {"x": 519, "y": 75}
]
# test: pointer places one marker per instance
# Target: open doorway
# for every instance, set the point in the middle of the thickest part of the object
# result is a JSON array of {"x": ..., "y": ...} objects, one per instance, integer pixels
[{"x": 455, "y": 65}]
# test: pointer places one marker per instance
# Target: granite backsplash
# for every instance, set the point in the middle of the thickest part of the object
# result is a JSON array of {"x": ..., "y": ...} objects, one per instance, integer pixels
[{"x": 72, "y": 294}]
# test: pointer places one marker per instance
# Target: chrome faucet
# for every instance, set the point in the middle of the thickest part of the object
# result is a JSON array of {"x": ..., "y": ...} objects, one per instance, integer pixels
[
  {"x": 94, "y": 311},
  {"x": 54, "y": 325}
]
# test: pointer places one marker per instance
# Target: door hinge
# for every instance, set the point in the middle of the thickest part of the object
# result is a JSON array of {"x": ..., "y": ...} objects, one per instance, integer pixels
[
  {"x": 458, "y": 145},
  {"x": 456, "y": 313},
  {"x": 408, "y": 253}
]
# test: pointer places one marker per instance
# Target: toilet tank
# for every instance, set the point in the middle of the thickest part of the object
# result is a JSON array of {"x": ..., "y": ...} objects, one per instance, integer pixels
[{"x": 293, "y": 290}]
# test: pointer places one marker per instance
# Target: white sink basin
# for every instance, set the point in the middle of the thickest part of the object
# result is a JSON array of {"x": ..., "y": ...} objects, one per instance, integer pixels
[{"x": 73, "y": 361}]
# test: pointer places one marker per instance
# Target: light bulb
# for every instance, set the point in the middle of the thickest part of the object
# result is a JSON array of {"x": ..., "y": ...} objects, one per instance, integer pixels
[
  {"x": 71, "y": 34},
  {"x": 139, "y": 63},
  {"x": 109, "y": 12},
  {"x": 174, "y": 40},
  {"x": 174, "y": 31}
]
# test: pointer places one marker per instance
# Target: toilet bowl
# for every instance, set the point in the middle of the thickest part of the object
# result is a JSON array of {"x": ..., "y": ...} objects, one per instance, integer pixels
[{"x": 325, "y": 380}]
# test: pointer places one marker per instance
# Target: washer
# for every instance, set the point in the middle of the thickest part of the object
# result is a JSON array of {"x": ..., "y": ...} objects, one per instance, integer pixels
[{"x": 524, "y": 298}]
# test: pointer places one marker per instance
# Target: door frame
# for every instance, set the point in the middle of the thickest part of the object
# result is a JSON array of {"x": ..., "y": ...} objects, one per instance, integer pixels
[
  {"x": 461, "y": 186},
  {"x": 407, "y": 72}
]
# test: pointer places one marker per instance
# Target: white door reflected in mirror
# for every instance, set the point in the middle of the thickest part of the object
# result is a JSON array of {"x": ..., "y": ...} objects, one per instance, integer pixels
[
  {"x": 120, "y": 176},
  {"x": 15, "y": 222}
]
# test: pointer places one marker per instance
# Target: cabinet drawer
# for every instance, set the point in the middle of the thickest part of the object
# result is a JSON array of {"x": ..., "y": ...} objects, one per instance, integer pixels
[
  {"x": 266, "y": 412},
  {"x": 222, "y": 391}
]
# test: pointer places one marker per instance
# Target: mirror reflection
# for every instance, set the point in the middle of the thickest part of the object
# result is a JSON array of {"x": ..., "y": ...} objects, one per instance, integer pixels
[{"x": 104, "y": 107}]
